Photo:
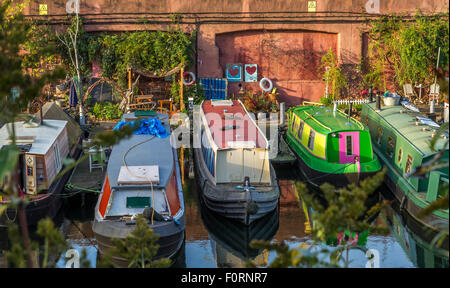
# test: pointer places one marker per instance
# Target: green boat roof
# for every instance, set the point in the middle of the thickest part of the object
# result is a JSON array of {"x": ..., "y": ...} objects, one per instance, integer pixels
[
  {"x": 405, "y": 124},
  {"x": 324, "y": 120}
]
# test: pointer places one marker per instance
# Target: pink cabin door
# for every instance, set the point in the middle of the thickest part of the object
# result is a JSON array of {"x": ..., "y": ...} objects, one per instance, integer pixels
[{"x": 348, "y": 147}]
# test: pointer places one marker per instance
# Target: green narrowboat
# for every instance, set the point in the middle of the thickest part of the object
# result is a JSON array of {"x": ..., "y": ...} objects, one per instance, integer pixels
[
  {"x": 330, "y": 146},
  {"x": 402, "y": 144}
]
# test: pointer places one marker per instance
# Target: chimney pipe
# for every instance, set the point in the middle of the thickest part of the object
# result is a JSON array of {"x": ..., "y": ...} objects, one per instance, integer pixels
[
  {"x": 40, "y": 113},
  {"x": 370, "y": 94},
  {"x": 378, "y": 102},
  {"x": 350, "y": 109}
]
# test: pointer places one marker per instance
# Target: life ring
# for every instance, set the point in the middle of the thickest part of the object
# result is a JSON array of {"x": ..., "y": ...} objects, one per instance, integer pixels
[
  {"x": 261, "y": 84},
  {"x": 188, "y": 74}
]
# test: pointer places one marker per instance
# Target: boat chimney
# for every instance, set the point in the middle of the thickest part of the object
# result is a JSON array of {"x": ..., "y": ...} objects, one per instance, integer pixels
[
  {"x": 41, "y": 119},
  {"x": 378, "y": 102},
  {"x": 282, "y": 111},
  {"x": 446, "y": 112},
  {"x": 432, "y": 107},
  {"x": 370, "y": 94}
]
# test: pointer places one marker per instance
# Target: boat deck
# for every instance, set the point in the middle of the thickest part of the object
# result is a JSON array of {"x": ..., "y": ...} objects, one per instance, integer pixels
[
  {"x": 242, "y": 130},
  {"x": 324, "y": 120}
]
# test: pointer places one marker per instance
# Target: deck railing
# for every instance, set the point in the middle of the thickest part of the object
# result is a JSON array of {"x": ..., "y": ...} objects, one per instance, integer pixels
[{"x": 353, "y": 101}]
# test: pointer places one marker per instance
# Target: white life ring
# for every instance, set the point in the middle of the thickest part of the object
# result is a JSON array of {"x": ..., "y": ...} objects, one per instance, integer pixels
[
  {"x": 261, "y": 84},
  {"x": 190, "y": 82}
]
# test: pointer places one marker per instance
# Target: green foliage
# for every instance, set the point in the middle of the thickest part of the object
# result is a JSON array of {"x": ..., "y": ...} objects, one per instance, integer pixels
[
  {"x": 332, "y": 73},
  {"x": 67, "y": 52},
  {"x": 408, "y": 47},
  {"x": 54, "y": 242},
  {"x": 194, "y": 91},
  {"x": 327, "y": 101},
  {"x": 106, "y": 111},
  {"x": 16, "y": 254},
  {"x": 139, "y": 248},
  {"x": 8, "y": 158},
  {"x": 53, "y": 239},
  {"x": 151, "y": 51},
  {"x": 13, "y": 34}
]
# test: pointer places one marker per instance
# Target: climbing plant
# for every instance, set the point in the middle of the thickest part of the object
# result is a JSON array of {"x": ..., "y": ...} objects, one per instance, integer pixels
[
  {"x": 409, "y": 47},
  {"x": 152, "y": 51},
  {"x": 332, "y": 73}
]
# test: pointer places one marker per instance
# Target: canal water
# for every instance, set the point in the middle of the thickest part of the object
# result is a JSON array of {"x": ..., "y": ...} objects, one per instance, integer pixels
[{"x": 213, "y": 241}]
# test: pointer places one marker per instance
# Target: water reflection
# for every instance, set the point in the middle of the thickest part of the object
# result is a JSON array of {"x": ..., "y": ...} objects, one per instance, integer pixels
[
  {"x": 230, "y": 240},
  {"x": 419, "y": 251},
  {"x": 212, "y": 241}
]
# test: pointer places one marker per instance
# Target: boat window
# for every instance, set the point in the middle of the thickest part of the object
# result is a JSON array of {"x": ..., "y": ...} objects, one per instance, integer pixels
[
  {"x": 349, "y": 145},
  {"x": 300, "y": 131},
  {"x": 57, "y": 157},
  {"x": 296, "y": 123},
  {"x": 409, "y": 162},
  {"x": 379, "y": 135},
  {"x": 400, "y": 155},
  {"x": 390, "y": 147},
  {"x": 312, "y": 133}
]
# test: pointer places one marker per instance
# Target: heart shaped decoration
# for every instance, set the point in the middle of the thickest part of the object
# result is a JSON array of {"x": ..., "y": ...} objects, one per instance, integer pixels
[
  {"x": 234, "y": 71},
  {"x": 250, "y": 69}
]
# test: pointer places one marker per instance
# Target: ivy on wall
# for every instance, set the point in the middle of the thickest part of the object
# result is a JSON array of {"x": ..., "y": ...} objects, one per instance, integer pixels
[
  {"x": 409, "y": 48},
  {"x": 151, "y": 51}
]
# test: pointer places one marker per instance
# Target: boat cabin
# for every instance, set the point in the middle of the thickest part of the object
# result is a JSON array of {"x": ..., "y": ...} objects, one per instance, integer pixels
[
  {"x": 403, "y": 141},
  {"x": 232, "y": 144},
  {"x": 142, "y": 172},
  {"x": 330, "y": 135},
  {"x": 42, "y": 150}
]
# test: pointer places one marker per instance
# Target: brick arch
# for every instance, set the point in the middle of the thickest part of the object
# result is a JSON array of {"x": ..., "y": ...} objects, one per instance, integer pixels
[{"x": 291, "y": 58}]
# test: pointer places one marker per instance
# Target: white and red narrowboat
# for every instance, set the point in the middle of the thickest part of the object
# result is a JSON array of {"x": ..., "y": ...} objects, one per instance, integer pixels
[{"x": 233, "y": 166}]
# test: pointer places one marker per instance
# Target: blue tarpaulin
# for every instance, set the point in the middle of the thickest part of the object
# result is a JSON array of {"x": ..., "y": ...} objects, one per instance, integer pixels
[{"x": 150, "y": 126}]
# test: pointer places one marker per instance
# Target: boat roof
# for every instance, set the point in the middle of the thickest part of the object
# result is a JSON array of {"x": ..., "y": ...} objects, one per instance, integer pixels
[
  {"x": 405, "y": 124},
  {"x": 157, "y": 151},
  {"x": 323, "y": 120},
  {"x": 232, "y": 113},
  {"x": 44, "y": 135}
]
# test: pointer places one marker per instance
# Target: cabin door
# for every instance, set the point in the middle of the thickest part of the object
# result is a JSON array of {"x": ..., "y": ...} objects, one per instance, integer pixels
[{"x": 349, "y": 147}]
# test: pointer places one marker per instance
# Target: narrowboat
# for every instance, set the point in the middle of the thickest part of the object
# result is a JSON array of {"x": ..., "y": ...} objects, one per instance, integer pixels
[
  {"x": 330, "y": 146},
  {"x": 142, "y": 177},
  {"x": 401, "y": 140},
  {"x": 236, "y": 176},
  {"x": 42, "y": 146},
  {"x": 230, "y": 240}
]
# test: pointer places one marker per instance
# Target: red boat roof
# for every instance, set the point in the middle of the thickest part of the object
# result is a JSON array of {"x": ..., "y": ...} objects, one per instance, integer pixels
[{"x": 231, "y": 126}]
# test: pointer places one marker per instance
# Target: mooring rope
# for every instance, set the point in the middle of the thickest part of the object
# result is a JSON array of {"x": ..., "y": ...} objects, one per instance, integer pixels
[{"x": 139, "y": 176}]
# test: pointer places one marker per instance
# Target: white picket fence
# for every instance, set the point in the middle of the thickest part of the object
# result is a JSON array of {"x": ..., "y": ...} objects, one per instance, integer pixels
[{"x": 353, "y": 101}]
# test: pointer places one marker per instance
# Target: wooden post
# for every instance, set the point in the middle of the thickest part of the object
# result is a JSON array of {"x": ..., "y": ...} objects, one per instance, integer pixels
[
  {"x": 129, "y": 78},
  {"x": 181, "y": 89},
  {"x": 182, "y": 164}
]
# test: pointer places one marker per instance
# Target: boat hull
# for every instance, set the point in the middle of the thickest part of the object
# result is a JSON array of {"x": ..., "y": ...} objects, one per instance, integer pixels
[
  {"x": 317, "y": 178},
  {"x": 232, "y": 203},
  {"x": 47, "y": 206},
  {"x": 410, "y": 209},
  {"x": 171, "y": 237}
]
